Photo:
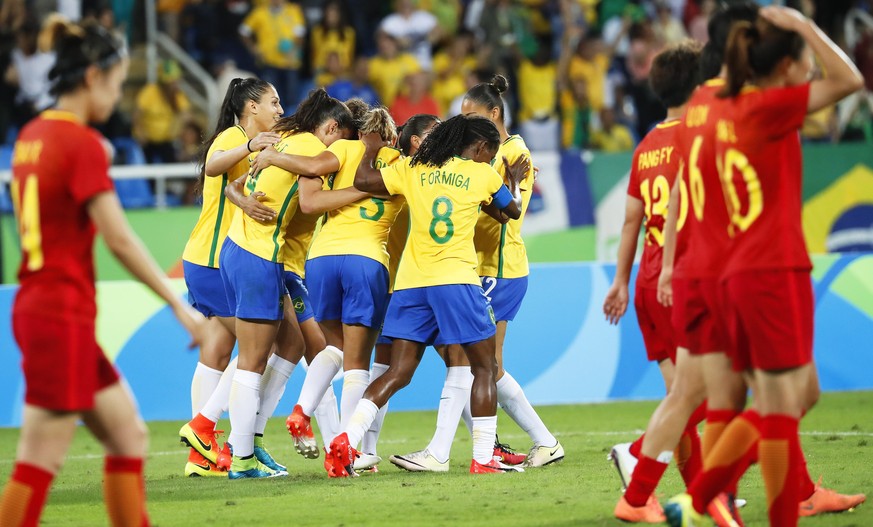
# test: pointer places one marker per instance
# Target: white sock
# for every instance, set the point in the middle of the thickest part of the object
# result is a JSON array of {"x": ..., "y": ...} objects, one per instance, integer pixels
[
  {"x": 327, "y": 417},
  {"x": 272, "y": 387},
  {"x": 455, "y": 396},
  {"x": 484, "y": 434},
  {"x": 368, "y": 444},
  {"x": 513, "y": 401},
  {"x": 355, "y": 383},
  {"x": 359, "y": 423},
  {"x": 320, "y": 374},
  {"x": 467, "y": 415},
  {"x": 203, "y": 384},
  {"x": 244, "y": 402},
  {"x": 218, "y": 401}
]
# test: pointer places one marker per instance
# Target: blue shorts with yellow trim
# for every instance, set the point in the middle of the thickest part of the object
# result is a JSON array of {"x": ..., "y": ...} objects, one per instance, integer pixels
[
  {"x": 299, "y": 296},
  {"x": 255, "y": 287},
  {"x": 442, "y": 314},
  {"x": 206, "y": 290},
  {"x": 505, "y": 295},
  {"x": 350, "y": 288}
]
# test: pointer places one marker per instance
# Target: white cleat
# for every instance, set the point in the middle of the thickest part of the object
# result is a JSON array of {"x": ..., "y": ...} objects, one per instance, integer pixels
[
  {"x": 540, "y": 456},
  {"x": 624, "y": 462},
  {"x": 365, "y": 462},
  {"x": 421, "y": 461}
]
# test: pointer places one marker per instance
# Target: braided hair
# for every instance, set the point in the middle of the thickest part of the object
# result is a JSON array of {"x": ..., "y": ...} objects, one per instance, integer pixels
[{"x": 452, "y": 137}]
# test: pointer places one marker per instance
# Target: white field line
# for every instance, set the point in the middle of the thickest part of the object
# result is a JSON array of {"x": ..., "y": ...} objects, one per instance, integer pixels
[{"x": 626, "y": 433}]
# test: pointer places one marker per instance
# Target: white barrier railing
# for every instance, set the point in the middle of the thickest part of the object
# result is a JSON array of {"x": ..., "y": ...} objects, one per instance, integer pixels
[{"x": 160, "y": 173}]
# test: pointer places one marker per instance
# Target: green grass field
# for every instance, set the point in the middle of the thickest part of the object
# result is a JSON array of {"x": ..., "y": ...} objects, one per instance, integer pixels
[{"x": 581, "y": 491}]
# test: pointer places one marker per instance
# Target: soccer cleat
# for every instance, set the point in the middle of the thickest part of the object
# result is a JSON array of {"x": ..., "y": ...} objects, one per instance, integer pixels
[
  {"x": 827, "y": 500},
  {"x": 225, "y": 457},
  {"x": 723, "y": 512},
  {"x": 200, "y": 467},
  {"x": 507, "y": 455},
  {"x": 492, "y": 467},
  {"x": 540, "y": 456},
  {"x": 300, "y": 428},
  {"x": 251, "y": 468},
  {"x": 339, "y": 461},
  {"x": 624, "y": 462},
  {"x": 680, "y": 513},
  {"x": 366, "y": 462},
  {"x": 203, "y": 441},
  {"x": 421, "y": 461},
  {"x": 264, "y": 456},
  {"x": 651, "y": 512}
]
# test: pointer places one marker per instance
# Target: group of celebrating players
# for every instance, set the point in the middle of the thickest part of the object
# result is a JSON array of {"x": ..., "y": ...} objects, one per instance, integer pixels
[
  {"x": 352, "y": 234},
  {"x": 723, "y": 296}
]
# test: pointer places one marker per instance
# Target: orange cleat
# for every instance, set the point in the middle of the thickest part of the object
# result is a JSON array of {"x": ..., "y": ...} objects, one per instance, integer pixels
[
  {"x": 827, "y": 500},
  {"x": 651, "y": 512},
  {"x": 723, "y": 512},
  {"x": 300, "y": 428},
  {"x": 492, "y": 467},
  {"x": 506, "y": 455},
  {"x": 200, "y": 439},
  {"x": 199, "y": 466},
  {"x": 339, "y": 461},
  {"x": 225, "y": 457}
]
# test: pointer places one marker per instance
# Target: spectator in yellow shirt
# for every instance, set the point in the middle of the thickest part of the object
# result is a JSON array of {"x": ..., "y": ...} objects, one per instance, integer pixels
[
  {"x": 274, "y": 33},
  {"x": 389, "y": 67},
  {"x": 160, "y": 111},
  {"x": 451, "y": 66},
  {"x": 537, "y": 86},
  {"x": 612, "y": 136},
  {"x": 332, "y": 35}
]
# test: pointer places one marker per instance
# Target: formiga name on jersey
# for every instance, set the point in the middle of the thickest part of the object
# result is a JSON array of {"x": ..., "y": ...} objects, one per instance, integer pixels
[
  {"x": 441, "y": 177},
  {"x": 653, "y": 158}
]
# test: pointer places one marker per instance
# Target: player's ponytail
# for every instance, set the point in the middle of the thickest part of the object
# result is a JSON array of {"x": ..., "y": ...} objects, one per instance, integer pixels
[
  {"x": 239, "y": 93},
  {"x": 414, "y": 127},
  {"x": 317, "y": 108},
  {"x": 451, "y": 137},
  {"x": 77, "y": 47},
  {"x": 719, "y": 28},
  {"x": 754, "y": 50},
  {"x": 379, "y": 121},
  {"x": 490, "y": 94}
]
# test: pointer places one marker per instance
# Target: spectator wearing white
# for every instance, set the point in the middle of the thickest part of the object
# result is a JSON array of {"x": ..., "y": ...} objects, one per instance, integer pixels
[
  {"x": 415, "y": 30},
  {"x": 29, "y": 71}
]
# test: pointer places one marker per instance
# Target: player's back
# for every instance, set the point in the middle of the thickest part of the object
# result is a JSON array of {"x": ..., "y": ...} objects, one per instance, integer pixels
[
  {"x": 655, "y": 165},
  {"x": 58, "y": 164}
]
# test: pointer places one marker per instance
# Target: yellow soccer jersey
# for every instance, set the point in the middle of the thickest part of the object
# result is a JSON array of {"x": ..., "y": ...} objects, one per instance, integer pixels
[
  {"x": 444, "y": 205},
  {"x": 387, "y": 75},
  {"x": 397, "y": 242},
  {"x": 298, "y": 239},
  {"x": 215, "y": 217},
  {"x": 499, "y": 247},
  {"x": 360, "y": 228},
  {"x": 280, "y": 188}
]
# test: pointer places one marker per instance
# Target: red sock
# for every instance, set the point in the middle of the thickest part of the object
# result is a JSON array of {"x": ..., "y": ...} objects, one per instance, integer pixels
[
  {"x": 716, "y": 422},
  {"x": 688, "y": 458},
  {"x": 636, "y": 447},
  {"x": 124, "y": 491},
  {"x": 645, "y": 478},
  {"x": 806, "y": 487},
  {"x": 722, "y": 463},
  {"x": 202, "y": 423},
  {"x": 751, "y": 456},
  {"x": 779, "y": 468},
  {"x": 24, "y": 496}
]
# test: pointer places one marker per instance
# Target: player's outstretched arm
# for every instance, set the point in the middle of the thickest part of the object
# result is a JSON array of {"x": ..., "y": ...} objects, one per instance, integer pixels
[
  {"x": 324, "y": 163},
  {"x": 315, "y": 200},
  {"x": 250, "y": 204},
  {"x": 106, "y": 213},
  {"x": 617, "y": 298},
  {"x": 367, "y": 178},
  {"x": 223, "y": 160}
]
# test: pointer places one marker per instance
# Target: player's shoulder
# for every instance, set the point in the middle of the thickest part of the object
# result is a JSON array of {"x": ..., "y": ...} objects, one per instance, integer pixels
[
  {"x": 234, "y": 133},
  {"x": 513, "y": 147},
  {"x": 388, "y": 155}
]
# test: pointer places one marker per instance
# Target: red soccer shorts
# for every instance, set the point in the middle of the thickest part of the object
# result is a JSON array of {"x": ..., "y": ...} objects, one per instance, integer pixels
[
  {"x": 698, "y": 317},
  {"x": 770, "y": 319},
  {"x": 63, "y": 364},
  {"x": 655, "y": 325}
]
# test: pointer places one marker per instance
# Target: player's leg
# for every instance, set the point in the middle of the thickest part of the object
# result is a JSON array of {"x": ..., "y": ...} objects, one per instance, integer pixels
[
  {"x": 326, "y": 413},
  {"x": 358, "y": 345},
  {"x": 381, "y": 359}
]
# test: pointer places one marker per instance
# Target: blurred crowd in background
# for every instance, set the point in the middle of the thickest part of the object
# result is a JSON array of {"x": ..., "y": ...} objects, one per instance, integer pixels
[{"x": 578, "y": 69}]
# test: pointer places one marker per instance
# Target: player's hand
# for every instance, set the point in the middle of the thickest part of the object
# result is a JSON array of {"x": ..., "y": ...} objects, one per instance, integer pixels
[
  {"x": 615, "y": 304},
  {"x": 193, "y": 322},
  {"x": 665, "y": 287},
  {"x": 784, "y": 17},
  {"x": 263, "y": 160},
  {"x": 251, "y": 205},
  {"x": 518, "y": 170},
  {"x": 263, "y": 140},
  {"x": 373, "y": 141}
]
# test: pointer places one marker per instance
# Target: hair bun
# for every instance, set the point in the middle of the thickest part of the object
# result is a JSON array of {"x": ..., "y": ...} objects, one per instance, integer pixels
[
  {"x": 500, "y": 83},
  {"x": 55, "y": 30}
]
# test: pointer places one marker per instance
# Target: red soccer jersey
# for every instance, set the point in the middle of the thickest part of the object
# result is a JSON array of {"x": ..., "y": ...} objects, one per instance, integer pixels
[
  {"x": 58, "y": 164},
  {"x": 654, "y": 168},
  {"x": 758, "y": 148},
  {"x": 704, "y": 241}
]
